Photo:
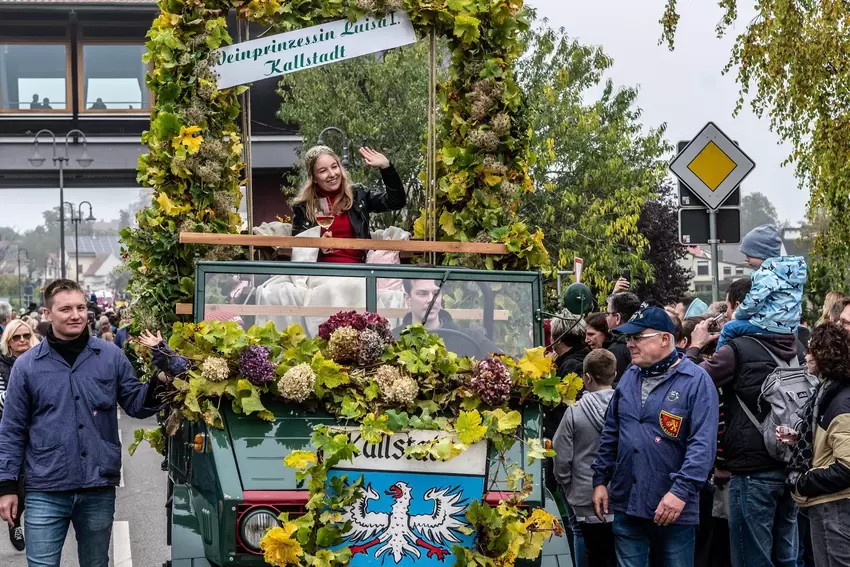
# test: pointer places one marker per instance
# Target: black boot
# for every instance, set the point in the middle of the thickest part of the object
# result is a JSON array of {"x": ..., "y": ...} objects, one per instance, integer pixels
[{"x": 16, "y": 536}]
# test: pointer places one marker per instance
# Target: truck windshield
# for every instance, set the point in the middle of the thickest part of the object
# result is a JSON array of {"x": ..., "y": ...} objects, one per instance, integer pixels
[{"x": 475, "y": 312}]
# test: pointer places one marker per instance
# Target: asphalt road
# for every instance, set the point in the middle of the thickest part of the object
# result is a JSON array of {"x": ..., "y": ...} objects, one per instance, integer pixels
[{"x": 138, "y": 536}]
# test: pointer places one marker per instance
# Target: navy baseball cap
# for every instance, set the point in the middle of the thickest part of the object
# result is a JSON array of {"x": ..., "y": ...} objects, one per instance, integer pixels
[{"x": 653, "y": 318}]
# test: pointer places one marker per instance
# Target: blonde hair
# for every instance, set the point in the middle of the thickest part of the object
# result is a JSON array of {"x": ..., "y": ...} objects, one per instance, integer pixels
[
  {"x": 831, "y": 299},
  {"x": 9, "y": 332},
  {"x": 310, "y": 193}
]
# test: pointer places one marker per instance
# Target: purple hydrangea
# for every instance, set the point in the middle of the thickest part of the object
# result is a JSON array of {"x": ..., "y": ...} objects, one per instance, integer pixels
[{"x": 255, "y": 366}]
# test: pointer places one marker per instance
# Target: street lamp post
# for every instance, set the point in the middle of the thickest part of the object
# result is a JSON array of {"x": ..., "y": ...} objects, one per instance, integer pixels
[
  {"x": 61, "y": 159},
  {"x": 20, "y": 286},
  {"x": 344, "y": 142},
  {"x": 77, "y": 219}
]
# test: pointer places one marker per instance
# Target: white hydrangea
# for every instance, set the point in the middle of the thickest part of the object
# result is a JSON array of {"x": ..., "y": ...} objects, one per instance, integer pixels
[
  {"x": 297, "y": 383},
  {"x": 215, "y": 369}
]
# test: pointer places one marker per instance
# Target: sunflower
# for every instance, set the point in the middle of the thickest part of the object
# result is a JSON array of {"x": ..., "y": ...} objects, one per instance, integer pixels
[{"x": 279, "y": 547}]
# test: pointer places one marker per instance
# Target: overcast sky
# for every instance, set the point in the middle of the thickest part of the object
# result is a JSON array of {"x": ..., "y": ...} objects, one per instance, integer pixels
[{"x": 684, "y": 88}]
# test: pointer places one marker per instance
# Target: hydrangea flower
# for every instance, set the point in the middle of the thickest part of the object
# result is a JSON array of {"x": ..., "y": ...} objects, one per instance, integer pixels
[
  {"x": 215, "y": 369},
  {"x": 255, "y": 366},
  {"x": 395, "y": 388},
  {"x": 491, "y": 380},
  {"x": 342, "y": 319},
  {"x": 297, "y": 383},
  {"x": 371, "y": 347},
  {"x": 344, "y": 345}
]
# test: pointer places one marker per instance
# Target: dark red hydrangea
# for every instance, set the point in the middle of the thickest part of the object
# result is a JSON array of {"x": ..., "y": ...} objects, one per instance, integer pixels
[
  {"x": 491, "y": 380},
  {"x": 255, "y": 366},
  {"x": 342, "y": 319}
]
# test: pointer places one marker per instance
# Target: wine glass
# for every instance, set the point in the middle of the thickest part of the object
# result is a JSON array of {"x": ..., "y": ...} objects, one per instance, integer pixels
[{"x": 325, "y": 218}]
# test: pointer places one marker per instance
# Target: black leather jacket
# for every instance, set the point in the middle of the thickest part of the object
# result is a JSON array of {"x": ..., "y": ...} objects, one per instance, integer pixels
[{"x": 366, "y": 201}]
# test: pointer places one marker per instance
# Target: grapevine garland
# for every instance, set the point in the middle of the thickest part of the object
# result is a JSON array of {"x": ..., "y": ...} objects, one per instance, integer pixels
[
  {"x": 194, "y": 163},
  {"x": 354, "y": 370}
]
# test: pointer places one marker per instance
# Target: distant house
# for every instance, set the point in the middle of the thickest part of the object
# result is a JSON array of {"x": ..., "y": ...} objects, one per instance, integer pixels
[
  {"x": 795, "y": 243},
  {"x": 698, "y": 262},
  {"x": 96, "y": 276},
  {"x": 92, "y": 248}
]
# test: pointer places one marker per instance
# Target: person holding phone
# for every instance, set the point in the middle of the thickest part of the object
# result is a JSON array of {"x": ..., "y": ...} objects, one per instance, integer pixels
[{"x": 329, "y": 199}]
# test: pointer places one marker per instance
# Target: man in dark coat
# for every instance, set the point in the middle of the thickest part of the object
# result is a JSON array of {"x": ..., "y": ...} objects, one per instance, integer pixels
[{"x": 621, "y": 307}]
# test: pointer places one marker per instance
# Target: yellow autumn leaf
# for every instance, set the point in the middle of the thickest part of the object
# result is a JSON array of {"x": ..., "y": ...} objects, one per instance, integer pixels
[
  {"x": 300, "y": 460},
  {"x": 279, "y": 547},
  {"x": 168, "y": 207},
  {"x": 187, "y": 138},
  {"x": 492, "y": 179},
  {"x": 536, "y": 364}
]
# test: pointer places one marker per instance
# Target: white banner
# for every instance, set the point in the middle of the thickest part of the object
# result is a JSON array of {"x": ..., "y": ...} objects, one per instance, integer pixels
[
  {"x": 389, "y": 455},
  {"x": 310, "y": 47}
]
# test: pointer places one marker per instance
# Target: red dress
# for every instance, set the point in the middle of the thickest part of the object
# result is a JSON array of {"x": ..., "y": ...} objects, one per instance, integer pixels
[{"x": 341, "y": 228}]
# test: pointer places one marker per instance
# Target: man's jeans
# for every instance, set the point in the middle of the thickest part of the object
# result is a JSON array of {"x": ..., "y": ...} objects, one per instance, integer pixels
[
  {"x": 762, "y": 521},
  {"x": 672, "y": 546},
  {"x": 50, "y": 513}
]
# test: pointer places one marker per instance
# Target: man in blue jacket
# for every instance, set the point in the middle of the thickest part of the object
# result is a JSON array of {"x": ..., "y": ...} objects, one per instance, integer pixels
[
  {"x": 60, "y": 430},
  {"x": 657, "y": 448}
]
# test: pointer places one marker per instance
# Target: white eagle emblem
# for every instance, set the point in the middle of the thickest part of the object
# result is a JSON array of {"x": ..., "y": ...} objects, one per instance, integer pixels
[{"x": 400, "y": 532}]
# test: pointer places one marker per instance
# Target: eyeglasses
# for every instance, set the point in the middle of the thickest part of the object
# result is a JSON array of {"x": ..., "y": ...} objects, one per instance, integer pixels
[
  {"x": 21, "y": 337},
  {"x": 639, "y": 337}
]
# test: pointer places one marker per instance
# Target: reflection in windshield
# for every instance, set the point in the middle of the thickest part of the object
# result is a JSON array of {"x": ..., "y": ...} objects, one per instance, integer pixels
[{"x": 474, "y": 318}]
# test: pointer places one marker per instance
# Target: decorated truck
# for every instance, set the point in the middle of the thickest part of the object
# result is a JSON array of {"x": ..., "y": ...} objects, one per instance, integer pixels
[{"x": 323, "y": 424}]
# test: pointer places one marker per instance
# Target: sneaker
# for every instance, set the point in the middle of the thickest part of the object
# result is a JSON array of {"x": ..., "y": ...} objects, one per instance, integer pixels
[{"x": 16, "y": 536}]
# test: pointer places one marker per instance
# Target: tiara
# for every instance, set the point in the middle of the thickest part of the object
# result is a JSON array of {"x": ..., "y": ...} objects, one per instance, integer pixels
[{"x": 317, "y": 151}]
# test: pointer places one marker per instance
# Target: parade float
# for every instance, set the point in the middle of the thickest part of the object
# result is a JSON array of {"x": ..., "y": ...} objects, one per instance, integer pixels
[{"x": 319, "y": 424}]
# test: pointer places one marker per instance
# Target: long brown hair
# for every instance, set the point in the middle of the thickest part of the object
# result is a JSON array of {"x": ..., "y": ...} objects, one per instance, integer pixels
[{"x": 310, "y": 192}]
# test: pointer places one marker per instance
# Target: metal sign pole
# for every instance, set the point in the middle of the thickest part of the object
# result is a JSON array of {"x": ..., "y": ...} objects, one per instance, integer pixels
[{"x": 715, "y": 261}]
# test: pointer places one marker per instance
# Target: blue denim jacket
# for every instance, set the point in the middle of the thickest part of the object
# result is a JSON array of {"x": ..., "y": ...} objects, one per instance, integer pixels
[
  {"x": 668, "y": 445},
  {"x": 60, "y": 423}
]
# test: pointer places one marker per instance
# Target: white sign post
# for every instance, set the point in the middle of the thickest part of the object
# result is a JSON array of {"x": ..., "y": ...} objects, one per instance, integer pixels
[{"x": 311, "y": 47}]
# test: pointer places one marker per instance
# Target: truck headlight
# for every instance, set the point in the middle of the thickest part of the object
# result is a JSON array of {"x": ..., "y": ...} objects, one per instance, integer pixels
[{"x": 254, "y": 525}]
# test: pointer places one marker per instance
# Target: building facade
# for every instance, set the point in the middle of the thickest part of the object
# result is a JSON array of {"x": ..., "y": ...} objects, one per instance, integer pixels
[{"x": 67, "y": 64}]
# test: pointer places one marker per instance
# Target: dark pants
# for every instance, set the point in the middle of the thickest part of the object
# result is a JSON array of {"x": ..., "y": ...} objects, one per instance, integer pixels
[
  {"x": 599, "y": 550},
  {"x": 762, "y": 521},
  {"x": 673, "y": 545},
  {"x": 805, "y": 558},
  {"x": 830, "y": 525}
]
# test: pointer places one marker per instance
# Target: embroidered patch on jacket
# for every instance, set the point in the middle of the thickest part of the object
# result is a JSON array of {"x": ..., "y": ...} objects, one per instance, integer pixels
[
  {"x": 670, "y": 424},
  {"x": 673, "y": 396}
]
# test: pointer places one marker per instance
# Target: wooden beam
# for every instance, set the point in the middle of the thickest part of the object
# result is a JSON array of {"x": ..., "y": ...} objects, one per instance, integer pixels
[
  {"x": 321, "y": 311},
  {"x": 343, "y": 243}
]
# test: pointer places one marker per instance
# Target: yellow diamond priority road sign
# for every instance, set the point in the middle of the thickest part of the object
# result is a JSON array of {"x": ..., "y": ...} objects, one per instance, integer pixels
[{"x": 712, "y": 166}]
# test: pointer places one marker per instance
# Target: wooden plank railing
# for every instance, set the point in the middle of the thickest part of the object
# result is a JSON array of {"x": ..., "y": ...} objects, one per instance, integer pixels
[{"x": 343, "y": 243}]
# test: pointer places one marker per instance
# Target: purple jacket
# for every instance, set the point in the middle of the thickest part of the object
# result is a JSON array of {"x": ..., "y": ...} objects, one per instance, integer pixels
[{"x": 60, "y": 423}]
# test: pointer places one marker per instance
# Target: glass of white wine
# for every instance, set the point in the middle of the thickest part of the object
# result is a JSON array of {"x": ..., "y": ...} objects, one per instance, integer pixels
[{"x": 325, "y": 218}]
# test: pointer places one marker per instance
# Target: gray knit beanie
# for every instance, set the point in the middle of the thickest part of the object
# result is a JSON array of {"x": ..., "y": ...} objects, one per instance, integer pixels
[{"x": 762, "y": 242}]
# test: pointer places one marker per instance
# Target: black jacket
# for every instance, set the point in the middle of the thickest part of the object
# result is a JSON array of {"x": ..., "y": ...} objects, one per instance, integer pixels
[
  {"x": 618, "y": 348},
  {"x": 6, "y": 363},
  {"x": 366, "y": 201},
  {"x": 572, "y": 362},
  {"x": 740, "y": 368}
]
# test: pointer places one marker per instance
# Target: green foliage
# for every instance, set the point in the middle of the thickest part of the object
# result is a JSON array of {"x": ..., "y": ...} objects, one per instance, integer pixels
[
  {"x": 792, "y": 62},
  {"x": 595, "y": 167},
  {"x": 379, "y": 104},
  {"x": 756, "y": 210},
  {"x": 153, "y": 436}
]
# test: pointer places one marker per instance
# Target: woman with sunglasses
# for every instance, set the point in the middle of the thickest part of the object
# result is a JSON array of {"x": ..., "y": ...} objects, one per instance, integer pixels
[{"x": 17, "y": 338}]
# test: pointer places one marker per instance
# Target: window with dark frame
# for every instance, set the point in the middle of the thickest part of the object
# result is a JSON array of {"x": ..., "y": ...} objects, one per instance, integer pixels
[
  {"x": 702, "y": 269},
  {"x": 34, "y": 77},
  {"x": 112, "y": 77}
]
